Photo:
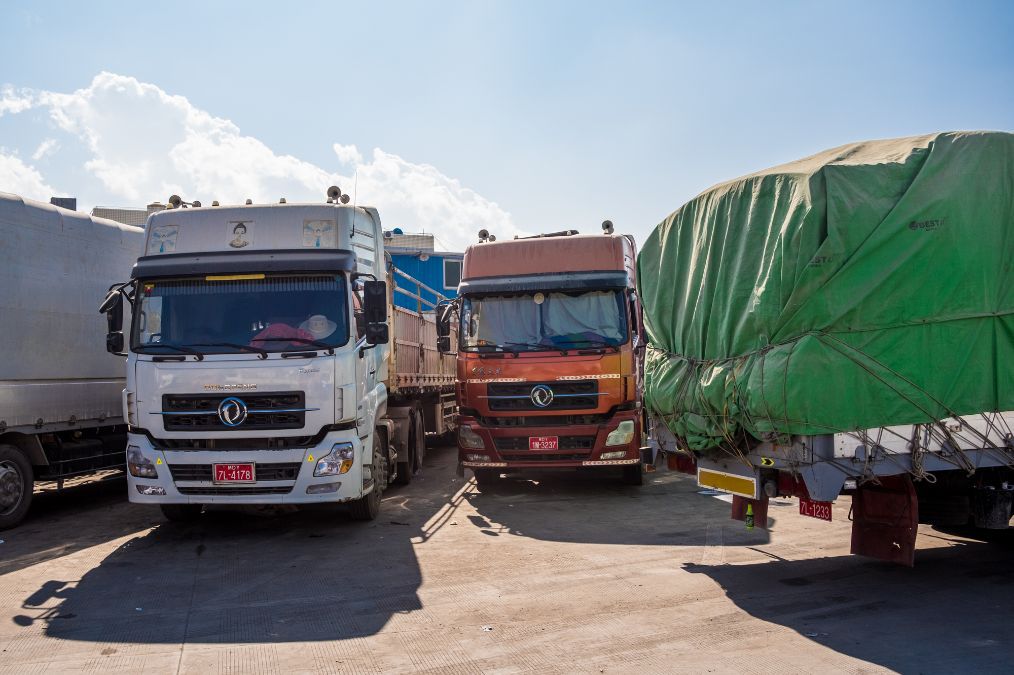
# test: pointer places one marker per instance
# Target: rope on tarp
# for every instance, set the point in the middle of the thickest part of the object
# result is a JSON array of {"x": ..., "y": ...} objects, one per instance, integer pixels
[{"x": 918, "y": 445}]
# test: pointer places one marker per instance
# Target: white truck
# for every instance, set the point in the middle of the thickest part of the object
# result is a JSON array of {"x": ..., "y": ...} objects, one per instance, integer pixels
[
  {"x": 60, "y": 392},
  {"x": 260, "y": 368}
]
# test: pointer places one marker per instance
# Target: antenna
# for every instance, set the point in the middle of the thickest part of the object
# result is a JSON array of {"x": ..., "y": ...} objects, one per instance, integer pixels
[{"x": 355, "y": 192}]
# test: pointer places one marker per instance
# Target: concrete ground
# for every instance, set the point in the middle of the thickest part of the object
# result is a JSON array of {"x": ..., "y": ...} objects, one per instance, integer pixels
[{"x": 562, "y": 574}]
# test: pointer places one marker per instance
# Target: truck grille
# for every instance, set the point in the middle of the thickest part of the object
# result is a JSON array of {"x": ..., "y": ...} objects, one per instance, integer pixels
[
  {"x": 198, "y": 412},
  {"x": 566, "y": 443},
  {"x": 517, "y": 396},
  {"x": 216, "y": 491},
  {"x": 544, "y": 457},
  {"x": 262, "y": 472}
]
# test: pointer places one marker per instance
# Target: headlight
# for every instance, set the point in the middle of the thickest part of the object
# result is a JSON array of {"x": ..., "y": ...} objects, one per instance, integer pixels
[
  {"x": 615, "y": 454},
  {"x": 621, "y": 435},
  {"x": 138, "y": 465},
  {"x": 467, "y": 438},
  {"x": 336, "y": 462},
  {"x": 472, "y": 457}
]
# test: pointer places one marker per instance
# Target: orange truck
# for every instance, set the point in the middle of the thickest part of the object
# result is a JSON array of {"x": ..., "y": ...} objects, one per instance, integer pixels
[{"x": 549, "y": 355}]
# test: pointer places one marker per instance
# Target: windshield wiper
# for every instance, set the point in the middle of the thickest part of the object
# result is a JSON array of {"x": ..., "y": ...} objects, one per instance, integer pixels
[
  {"x": 537, "y": 347},
  {"x": 262, "y": 353},
  {"x": 143, "y": 349},
  {"x": 593, "y": 344},
  {"x": 303, "y": 341}
]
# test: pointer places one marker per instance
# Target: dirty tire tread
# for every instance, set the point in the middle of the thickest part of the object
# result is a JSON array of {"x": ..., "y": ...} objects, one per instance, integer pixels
[
  {"x": 181, "y": 513},
  {"x": 633, "y": 475},
  {"x": 368, "y": 508},
  {"x": 13, "y": 454},
  {"x": 486, "y": 477},
  {"x": 406, "y": 468}
]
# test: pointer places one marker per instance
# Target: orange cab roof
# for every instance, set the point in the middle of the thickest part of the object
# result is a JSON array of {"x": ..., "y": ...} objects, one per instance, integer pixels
[{"x": 554, "y": 255}]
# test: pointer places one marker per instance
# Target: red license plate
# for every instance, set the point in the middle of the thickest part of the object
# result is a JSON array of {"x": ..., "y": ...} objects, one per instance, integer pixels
[
  {"x": 819, "y": 510},
  {"x": 543, "y": 442},
  {"x": 234, "y": 473}
]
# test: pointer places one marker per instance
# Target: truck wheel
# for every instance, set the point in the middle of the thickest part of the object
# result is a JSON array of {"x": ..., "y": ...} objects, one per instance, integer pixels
[
  {"x": 368, "y": 507},
  {"x": 407, "y": 468},
  {"x": 15, "y": 486},
  {"x": 633, "y": 474},
  {"x": 486, "y": 477},
  {"x": 181, "y": 513}
]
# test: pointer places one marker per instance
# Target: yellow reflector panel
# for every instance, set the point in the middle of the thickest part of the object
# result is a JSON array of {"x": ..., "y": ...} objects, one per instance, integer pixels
[
  {"x": 728, "y": 482},
  {"x": 232, "y": 277}
]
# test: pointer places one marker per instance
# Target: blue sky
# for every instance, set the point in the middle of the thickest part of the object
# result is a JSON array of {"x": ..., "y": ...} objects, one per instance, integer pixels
[{"x": 518, "y": 116}]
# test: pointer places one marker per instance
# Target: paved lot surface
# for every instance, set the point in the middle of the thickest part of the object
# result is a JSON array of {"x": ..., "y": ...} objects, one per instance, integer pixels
[{"x": 555, "y": 575}]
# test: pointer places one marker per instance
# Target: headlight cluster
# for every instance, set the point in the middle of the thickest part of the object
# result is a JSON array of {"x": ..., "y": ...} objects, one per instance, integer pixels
[
  {"x": 469, "y": 439},
  {"x": 138, "y": 465},
  {"x": 621, "y": 435},
  {"x": 336, "y": 462}
]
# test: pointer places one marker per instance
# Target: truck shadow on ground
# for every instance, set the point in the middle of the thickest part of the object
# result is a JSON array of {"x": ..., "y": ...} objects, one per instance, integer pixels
[
  {"x": 53, "y": 527},
  {"x": 595, "y": 507},
  {"x": 239, "y": 577},
  {"x": 951, "y": 613}
]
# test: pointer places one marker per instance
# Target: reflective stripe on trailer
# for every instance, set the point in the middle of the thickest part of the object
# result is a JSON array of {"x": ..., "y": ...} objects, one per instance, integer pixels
[{"x": 744, "y": 486}]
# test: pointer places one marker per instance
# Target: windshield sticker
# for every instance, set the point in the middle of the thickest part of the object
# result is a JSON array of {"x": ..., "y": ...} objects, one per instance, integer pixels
[
  {"x": 163, "y": 239},
  {"x": 320, "y": 234},
  {"x": 239, "y": 233}
]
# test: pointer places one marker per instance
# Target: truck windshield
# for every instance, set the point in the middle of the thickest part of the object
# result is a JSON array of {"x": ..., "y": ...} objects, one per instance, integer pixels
[
  {"x": 544, "y": 321},
  {"x": 263, "y": 314}
]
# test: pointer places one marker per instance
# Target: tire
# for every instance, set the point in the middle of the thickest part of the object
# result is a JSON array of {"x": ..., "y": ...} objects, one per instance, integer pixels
[
  {"x": 633, "y": 474},
  {"x": 407, "y": 468},
  {"x": 181, "y": 513},
  {"x": 368, "y": 507},
  {"x": 486, "y": 477},
  {"x": 16, "y": 481}
]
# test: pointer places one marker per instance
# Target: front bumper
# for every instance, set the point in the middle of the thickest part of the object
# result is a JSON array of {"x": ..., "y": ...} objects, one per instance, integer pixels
[
  {"x": 507, "y": 447},
  {"x": 185, "y": 475}
]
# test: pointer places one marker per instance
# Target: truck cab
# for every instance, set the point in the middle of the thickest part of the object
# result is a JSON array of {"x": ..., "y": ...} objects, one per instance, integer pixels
[
  {"x": 549, "y": 356},
  {"x": 259, "y": 361}
]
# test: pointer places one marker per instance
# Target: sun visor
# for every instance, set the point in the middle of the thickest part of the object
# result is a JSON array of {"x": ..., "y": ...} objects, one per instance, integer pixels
[
  {"x": 189, "y": 264},
  {"x": 583, "y": 281}
]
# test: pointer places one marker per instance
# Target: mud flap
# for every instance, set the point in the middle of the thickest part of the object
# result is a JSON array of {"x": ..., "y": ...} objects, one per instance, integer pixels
[
  {"x": 760, "y": 510},
  {"x": 885, "y": 520}
]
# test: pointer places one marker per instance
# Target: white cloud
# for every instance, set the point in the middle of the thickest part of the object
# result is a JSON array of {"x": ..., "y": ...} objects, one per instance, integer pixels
[
  {"x": 348, "y": 154},
  {"x": 47, "y": 147},
  {"x": 22, "y": 179},
  {"x": 141, "y": 144},
  {"x": 14, "y": 102}
]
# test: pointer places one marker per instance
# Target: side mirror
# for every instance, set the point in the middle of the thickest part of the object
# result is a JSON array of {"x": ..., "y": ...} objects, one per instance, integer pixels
[
  {"x": 444, "y": 344},
  {"x": 375, "y": 302},
  {"x": 377, "y": 334},
  {"x": 444, "y": 310},
  {"x": 112, "y": 307},
  {"x": 114, "y": 343}
]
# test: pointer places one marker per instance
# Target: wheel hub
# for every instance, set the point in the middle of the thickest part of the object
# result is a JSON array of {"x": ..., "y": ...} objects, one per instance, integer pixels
[{"x": 10, "y": 487}]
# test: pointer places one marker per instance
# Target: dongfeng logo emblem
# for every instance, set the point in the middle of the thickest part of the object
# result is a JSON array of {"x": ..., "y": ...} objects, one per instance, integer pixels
[
  {"x": 542, "y": 395},
  {"x": 232, "y": 411}
]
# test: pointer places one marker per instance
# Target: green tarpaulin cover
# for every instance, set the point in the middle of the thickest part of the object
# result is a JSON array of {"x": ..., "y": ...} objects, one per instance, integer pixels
[{"x": 866, "y": 286}]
